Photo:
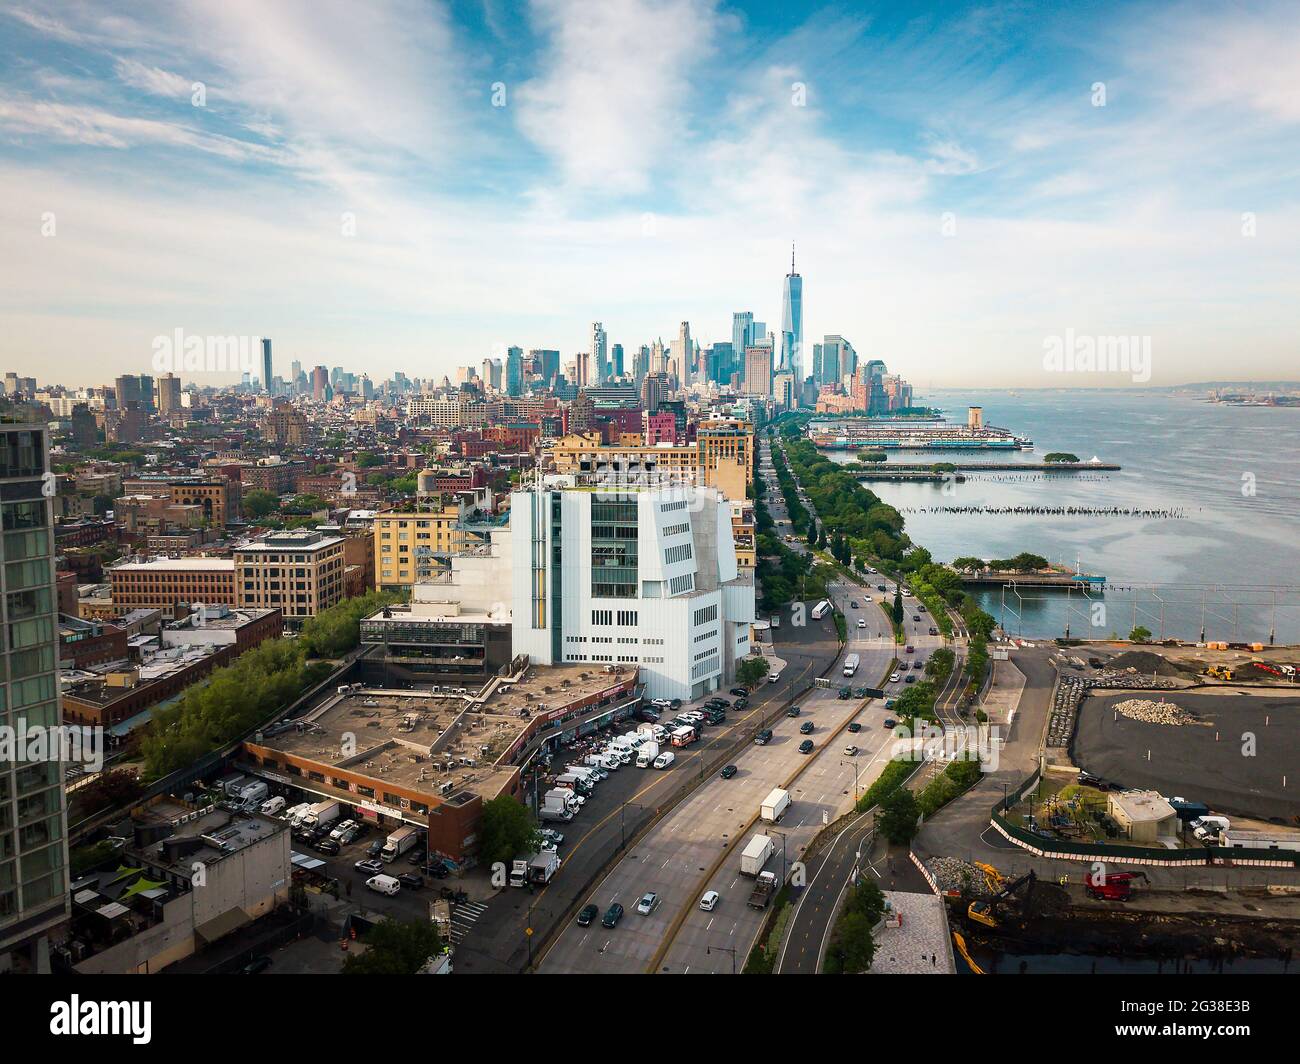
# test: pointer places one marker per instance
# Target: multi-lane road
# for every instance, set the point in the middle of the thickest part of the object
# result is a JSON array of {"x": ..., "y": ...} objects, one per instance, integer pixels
[{"x": 697, "y": 846}]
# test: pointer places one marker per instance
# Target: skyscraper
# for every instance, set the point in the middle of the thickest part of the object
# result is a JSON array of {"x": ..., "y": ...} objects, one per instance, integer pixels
[
  {"x": 792, "y": 322},
  {"x": 599, "y": 362},
  {"x": 742, "y": 335},
  {"x": 617, "y": 352},
  {"x": 33, "y": 846},
  {"x": 683, "y": 355},
  {"x": 266, "y": 364},
  {"x": 515, "y": 369}
]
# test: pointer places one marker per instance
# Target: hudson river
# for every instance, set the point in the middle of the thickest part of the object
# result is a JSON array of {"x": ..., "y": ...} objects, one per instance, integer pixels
[{"x": 1228, "y": 475}]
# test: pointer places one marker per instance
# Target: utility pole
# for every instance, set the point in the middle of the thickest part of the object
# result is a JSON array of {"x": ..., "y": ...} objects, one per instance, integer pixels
[{"x": 723, "y": 949}]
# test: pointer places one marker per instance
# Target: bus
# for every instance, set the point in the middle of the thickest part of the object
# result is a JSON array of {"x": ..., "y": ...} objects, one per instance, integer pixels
[
  {"x": 821, "y": 609},
  {"x": 851, "y": 664}
]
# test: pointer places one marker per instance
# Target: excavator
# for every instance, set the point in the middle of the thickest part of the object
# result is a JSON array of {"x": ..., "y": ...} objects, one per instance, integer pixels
[
  {"x": 986, "y": 911},
  {"x": 1112, "y": 886},
  {"x": 1220, "y": 672}
]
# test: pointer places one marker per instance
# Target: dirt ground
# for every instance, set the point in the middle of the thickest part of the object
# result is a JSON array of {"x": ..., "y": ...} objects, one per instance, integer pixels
[{"x": 1237, "y": 761}]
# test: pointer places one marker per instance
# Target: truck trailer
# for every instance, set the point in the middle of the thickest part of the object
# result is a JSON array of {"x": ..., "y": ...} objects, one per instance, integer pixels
[
  {"x": 756, "y": 854},
  {"x": 774, "y": 805}
]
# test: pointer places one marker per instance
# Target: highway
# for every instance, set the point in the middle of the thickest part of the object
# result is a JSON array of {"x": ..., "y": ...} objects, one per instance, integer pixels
[{"x": 694, "y": 848}]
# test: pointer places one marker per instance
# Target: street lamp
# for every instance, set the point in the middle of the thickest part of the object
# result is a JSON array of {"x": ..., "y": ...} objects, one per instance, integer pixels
[
  {"x": 855, "y": 776},
  {"x": 723, "y": 949},
  {"x": 782, "y": 836}
]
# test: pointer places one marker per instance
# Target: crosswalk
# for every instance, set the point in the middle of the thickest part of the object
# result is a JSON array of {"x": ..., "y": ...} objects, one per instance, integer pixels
[{"x": 463, "y": 918}]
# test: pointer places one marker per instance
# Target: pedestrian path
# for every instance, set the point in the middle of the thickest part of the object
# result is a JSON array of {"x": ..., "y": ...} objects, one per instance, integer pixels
[
  {"x": 914, "y": 940},
  {"x": 463, "y": 917}
]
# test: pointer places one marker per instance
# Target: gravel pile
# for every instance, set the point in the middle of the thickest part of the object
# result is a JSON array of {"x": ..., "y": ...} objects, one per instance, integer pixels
[
  {"x": 1149, "y": 712},
  {"x": 1130, "y": 679},
  {"x": 952, "y": 873}
]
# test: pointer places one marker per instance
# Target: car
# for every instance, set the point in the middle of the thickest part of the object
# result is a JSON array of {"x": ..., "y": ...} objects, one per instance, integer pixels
[
  {"x": 740, "y": 692},
  {"x": 662, "y": 703},
  {"x": 417, "y": 856},
  {"x": 256, "y": 965},
  {"x": 710, "y": 900},
  {"x": 918, "y": 665},
  {"x": 852, "y": 604},
  {"x": 612, "y": 916},
  {"x": 806, "y": 728},
  {"x": 934, "y": 630},
  {"x": 793, "y": 711},
  {"x": 589, "y": 913},
  {"x": 411, "y": 880},
  {"x": 375, "y": 848},
  {"x": 763, "y": 738},
  {"x": 673, "y": 703},
  {"x": 890, "y": 703},
  {"x": 890, "y": 722},
  {"x": 350, "y": 836},
  {"x": 647, "y": 904},
  {"x": 881, "y": 587},
  {"x": 855, "y": 727},
  {"x": 862, "y": 623},
  {"x": 370, "y": 866},
  {"x": 806, "y": 747},
  {"x": 909, "y": 678},
  {"x": 851, "y": 751},
  {"x": 554, "y": 836},
  {"x": 916, "y": 616},
  {"x": 727, "y": 772},
  {"x": 845, "y": 693},
  {"x": 329, "y": 847},
  {"x": 894, "y": 677},
  {"x": 910, "y": 649},
  {"x": 740, "y": 703},
  {"x": 860, "y": 692}
]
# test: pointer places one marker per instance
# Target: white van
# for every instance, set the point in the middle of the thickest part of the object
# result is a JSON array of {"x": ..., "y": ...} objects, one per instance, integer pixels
[
  {"x": 665, "y": 759},
  {"x": 384, "y": 885},
  {"x": 272, "y": 805}
]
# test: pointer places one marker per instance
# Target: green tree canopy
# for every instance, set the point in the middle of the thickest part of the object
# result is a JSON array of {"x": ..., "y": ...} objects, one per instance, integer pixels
[
  {"x": 395, "y": 947},
  {"x": 898, "y": 816},
  {"x": 505, "y": 829},
  {"x": 260, "y": 503}
]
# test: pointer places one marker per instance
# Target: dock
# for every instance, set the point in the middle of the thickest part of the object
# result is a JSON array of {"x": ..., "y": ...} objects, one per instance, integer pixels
[
  {"x": 995, "y": 578},
  {"x": 1003, "y": 467}
]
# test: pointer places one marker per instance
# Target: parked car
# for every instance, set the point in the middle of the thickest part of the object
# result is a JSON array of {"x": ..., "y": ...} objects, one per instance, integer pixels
[
  {"x": 909, "y": 678},
  {"x": 740, "y": 692},
  {"x": 375, "y": 848},
  {"x": 329, "y": 847},
  {"x": 648, "y": 903},
  {"x": 589, "y": 913},
  {"x": 740, "y": 703},
  {"x": 417, "y": 856},
  {"x": 806, "y": 747},
  {"x": 890, "y": 703},
  {"x": 612, "y": 915},
  {"x": 413, "y": 880},
  {"x": 370, "y": 866},
  {"x": 256, "y": 965},
  {"x": 727, "y": 772},
  {"x": 806, "y": 728},
  {"x": 894, "y": 677}
]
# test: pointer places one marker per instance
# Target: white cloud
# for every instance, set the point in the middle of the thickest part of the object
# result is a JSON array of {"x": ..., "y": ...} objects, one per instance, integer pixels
[
  {"x": 152, "y": 79},
  {"x": 612, "y": 102}
]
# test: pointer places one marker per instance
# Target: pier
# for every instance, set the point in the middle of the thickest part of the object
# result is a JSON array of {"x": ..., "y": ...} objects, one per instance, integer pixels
[
  {"x": 1003, "y": 467},
  {"x": 1006, "y": 578}
]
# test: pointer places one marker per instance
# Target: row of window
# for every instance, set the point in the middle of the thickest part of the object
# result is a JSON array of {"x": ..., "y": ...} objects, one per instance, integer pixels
[{"x": 681, "y": 553}]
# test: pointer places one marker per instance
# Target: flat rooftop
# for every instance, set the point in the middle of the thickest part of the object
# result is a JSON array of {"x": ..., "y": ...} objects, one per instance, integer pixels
[
  {"x": 186, "y": 564},
  {"x": 218, "y": 832},
  {"x": 436, "y": 742}
]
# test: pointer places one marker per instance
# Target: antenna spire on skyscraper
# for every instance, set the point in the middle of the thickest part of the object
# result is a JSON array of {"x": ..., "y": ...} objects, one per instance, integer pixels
[{"x": 792, "y": 256}]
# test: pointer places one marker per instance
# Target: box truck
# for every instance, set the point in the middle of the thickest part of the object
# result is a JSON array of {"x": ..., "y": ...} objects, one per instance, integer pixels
[
  {"x": 543, "y": 866},
  {"x": 683, "y": 736},
  {"x": 756, "y": 854},
  {"x": 774, "y": 805},
  {"x": 519, "y": 873},
  {"x": 851, "y": 664},
  {"x": 573, "y": 782},
  {"x": 399, "y": 842},
  {"x": 320, "y": 814},
  {"x": 646, "y": 755}
]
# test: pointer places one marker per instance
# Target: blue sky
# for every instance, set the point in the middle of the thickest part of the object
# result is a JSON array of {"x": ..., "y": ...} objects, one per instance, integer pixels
[{"x": 956, "y": 194}]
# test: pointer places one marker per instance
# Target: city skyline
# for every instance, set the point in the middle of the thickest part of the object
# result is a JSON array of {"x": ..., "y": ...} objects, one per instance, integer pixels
[{"x": 961, "y": 191}]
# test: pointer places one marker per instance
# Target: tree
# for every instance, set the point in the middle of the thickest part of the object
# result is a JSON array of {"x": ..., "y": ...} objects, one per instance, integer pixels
[
  {"x": 897, "y": 611},
  {"x": 259, "y": 503},
  {"x": 505, "y": 829},
  {"x": 968, "y": 561},
  {"x": 751, "y": 671},
  {"x": 1060, "y": 456},
  {"x": 939, "y": 664},
  {"x": 1139, "y": 634},
  {"x": 867, "y": 900},
  {"x": 396, "y": 947},
  {"x": 853, "y": 948},
  {"x": 898, "y": 816}
]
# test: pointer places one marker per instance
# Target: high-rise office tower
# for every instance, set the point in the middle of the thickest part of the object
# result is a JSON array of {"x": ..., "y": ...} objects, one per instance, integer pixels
[
  {"x": 169, "y": 394},
  {"x": 617, "y": 353},
  {"x": 295, "y": 370},
  {"x": 791, "y": 355},
  {"x": 599, "y": 357},
  {"x": 33, "y": 835},
  {"x": 320, "y": 383},
  {"x": 492, "y": 373},
  {"x": 658, "y": 357},
  {"x": 266, "y": 365},
  {"x": 684, "y": 353},
  {"x": 742, "y": 335},
  {"x": 758, "y": 370},
  {"x": 515, "y": 370},
  {"x": 833, "y": 360}
]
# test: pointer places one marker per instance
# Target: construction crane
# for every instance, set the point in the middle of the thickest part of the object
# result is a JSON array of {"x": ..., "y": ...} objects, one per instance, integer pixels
[{"x": 986, "y": 911}]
